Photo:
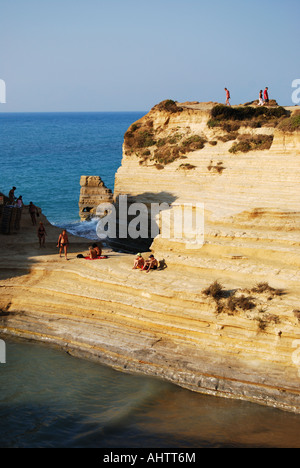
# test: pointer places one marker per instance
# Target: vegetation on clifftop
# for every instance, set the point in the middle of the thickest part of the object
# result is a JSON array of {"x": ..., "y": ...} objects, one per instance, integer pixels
[
  {"x": 169, "y": 106},
  {"x": 232, "y": 118},
  {"x": 141, "y": 140},
  {"x": 160, "y": 145},
  {"x": 290, "y": 124}
]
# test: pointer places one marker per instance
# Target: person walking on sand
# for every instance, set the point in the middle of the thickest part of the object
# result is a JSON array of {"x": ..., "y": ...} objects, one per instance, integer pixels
[
  {"x": 266, "y": 95},
  {"x": 227, "y": 97},
  {"x": 41, "y": 233},
  {"x": 260, "y": 98},
  {"x": 63, "y": 242}
]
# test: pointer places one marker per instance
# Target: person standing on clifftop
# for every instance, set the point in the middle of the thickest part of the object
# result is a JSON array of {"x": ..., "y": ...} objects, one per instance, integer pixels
[
  {"x": 260, "y": 98},
  {"x": 266, "y": 96},
  {"x": 227, "y": 97}
]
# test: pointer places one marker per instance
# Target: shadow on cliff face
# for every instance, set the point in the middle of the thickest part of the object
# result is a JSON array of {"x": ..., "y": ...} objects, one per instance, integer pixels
[{"x": 137, "y": 220}]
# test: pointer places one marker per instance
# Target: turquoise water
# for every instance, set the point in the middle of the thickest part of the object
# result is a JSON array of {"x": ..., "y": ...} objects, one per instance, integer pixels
[
  {"x": 44, "y": 155},
  {"x": 51, "y": 399}
]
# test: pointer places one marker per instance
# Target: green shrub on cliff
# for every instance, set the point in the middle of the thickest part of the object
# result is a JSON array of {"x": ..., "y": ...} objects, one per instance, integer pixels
[
  {"x": 290, "y": 124},
  {"x": 192, "y": 143},
  {"x": 168, "y": 105},
  {"x": 251, "y": 143},
  {"x": 221, "y": 112},
  {"x": 136, "y": 138},
  {"x": 230, "y": 119},
  {"x": 166, "y": 153}
]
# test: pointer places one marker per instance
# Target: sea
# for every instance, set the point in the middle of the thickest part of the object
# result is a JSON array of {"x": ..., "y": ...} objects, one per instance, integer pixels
[
  {"x": 50, "y": 399},
  {"x": 44, "y": 155}
]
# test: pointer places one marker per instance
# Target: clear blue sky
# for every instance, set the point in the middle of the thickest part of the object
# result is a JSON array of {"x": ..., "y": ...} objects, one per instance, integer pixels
[{"x": 123, "y": 55}]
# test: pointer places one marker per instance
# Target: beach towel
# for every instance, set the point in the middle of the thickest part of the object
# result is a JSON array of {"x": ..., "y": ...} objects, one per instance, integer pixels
[{"x": 97, "y": 258}]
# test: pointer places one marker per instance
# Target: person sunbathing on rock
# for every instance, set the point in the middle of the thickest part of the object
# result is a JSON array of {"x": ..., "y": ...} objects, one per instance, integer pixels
[
  {"x": 93, "y": 253},
  {"x": 97, "y": 249},
  {"x": 150, "y": 264},
  {"x": 138, "y": 262}
]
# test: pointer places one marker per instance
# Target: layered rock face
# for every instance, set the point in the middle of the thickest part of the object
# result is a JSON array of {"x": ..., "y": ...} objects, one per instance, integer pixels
[
  {"x": 244, "y": 173},
  {"x": 250, "y": 198},
  {"x": 92, "y": 193}
]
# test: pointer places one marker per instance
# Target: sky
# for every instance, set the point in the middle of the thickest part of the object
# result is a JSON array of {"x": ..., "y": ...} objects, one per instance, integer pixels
[{"x": 128, "y": 55}]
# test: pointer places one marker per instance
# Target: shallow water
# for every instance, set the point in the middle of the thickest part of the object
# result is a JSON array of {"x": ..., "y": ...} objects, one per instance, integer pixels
[{"x": 51, "y": 399}]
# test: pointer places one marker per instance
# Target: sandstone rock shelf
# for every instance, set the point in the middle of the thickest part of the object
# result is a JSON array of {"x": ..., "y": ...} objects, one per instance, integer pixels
[{"x": 159, "y": 324}]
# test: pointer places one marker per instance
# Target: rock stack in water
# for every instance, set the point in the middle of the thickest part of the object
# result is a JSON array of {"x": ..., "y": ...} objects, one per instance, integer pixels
[{"x": 92, "y": 193}]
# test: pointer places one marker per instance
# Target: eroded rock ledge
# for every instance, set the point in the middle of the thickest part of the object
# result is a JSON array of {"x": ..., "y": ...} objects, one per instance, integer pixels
[{"x": 92, "y": 193}]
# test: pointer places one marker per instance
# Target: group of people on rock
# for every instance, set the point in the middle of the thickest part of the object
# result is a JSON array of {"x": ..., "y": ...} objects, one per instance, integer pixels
[
  {"x": 145, "y": 265},
  {"x": 13, "y": 200},
  {"x": 33, "y": 212},
  {"x": 18, "y": 202},
  {"x": 95, "y": 252},
  {"x": 263, "y": 97}
]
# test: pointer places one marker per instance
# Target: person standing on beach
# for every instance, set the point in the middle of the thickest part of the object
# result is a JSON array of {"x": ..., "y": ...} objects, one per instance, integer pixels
[
  {"x": 266, "y": 96},
  {"x": 63, "y": 242},
  {"x": 41, "y": 233},
  {"x": 227, "y": 97}
]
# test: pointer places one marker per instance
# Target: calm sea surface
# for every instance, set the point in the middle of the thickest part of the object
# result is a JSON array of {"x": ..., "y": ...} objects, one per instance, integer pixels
[
  {"x": 51, "y": 399},
  {"x": 44, "y": 155}
]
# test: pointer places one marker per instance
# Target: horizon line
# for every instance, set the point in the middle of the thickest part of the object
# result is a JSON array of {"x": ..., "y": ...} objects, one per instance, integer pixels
[{"x": 68, "y": 112}]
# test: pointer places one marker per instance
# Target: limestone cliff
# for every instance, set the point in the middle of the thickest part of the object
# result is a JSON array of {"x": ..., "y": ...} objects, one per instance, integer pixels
[{"x": 243, "y": 168}]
